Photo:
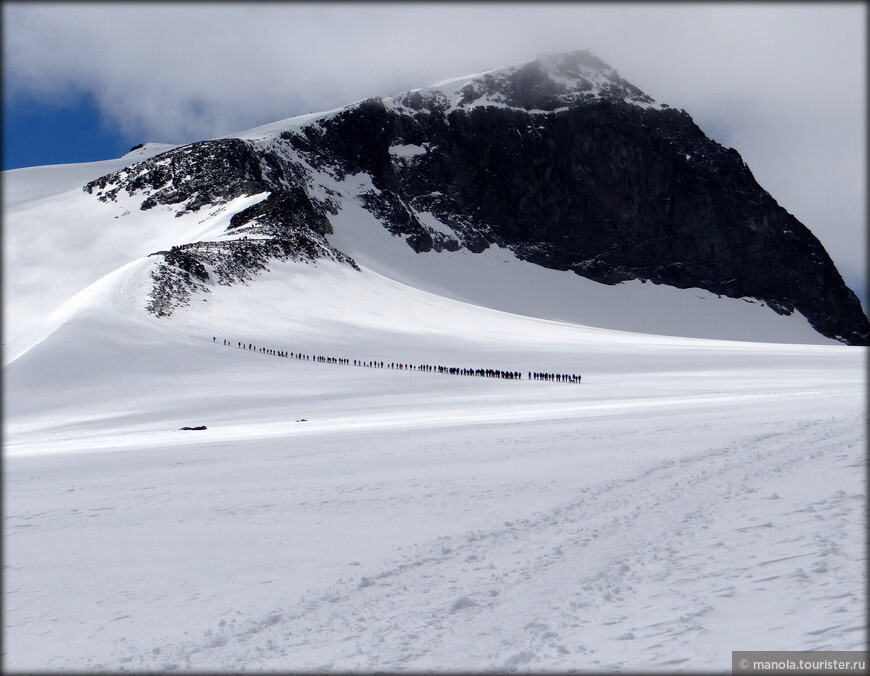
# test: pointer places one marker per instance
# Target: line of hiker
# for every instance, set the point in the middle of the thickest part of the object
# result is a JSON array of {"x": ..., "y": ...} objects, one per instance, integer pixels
[
  {"x": 400, "y": 366},
  {"x": 556, "y": 377}
]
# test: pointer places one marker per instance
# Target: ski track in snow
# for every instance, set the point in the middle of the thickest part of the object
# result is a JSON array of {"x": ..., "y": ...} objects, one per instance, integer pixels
[{"x": 693, "y": 543}]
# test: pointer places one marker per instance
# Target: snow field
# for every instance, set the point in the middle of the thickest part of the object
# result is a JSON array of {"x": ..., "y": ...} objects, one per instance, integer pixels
[
  {"x": 415, "y": 520},
  {"x": 639, "y": 539},
  {"x": 690, "y": 498}
]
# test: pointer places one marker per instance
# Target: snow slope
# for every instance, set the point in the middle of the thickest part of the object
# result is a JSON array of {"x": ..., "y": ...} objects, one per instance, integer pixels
[
  {"x": 691, "y": 497},
  {"x": 49, "y": 262}
]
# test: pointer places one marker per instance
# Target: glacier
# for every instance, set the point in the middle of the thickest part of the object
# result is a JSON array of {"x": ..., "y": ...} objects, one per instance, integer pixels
[{"x": 702, "y": 491}]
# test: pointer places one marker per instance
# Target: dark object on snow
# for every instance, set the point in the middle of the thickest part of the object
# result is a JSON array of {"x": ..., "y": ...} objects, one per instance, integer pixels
[
  {"x": 200, "y": 427},
  {"x": 302, "y": 420}
]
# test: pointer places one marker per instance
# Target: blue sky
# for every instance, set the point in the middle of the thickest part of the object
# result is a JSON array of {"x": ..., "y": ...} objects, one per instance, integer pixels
[
  {"x": 74, "y": 130},
  {"x": 783, "y": 83}
]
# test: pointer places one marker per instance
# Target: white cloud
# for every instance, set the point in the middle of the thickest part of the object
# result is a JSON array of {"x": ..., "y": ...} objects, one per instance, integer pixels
[{"x": 783, "y": 83}]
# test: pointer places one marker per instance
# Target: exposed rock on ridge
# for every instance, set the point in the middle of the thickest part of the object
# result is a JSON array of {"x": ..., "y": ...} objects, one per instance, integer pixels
[
  {"x": 197, "y": 266},
  {"x": 286, "y": 225},
  {"x": 559, "y": 159}
]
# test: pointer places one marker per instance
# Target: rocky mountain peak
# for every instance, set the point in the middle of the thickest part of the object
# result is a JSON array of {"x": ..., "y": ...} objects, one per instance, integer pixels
[
  {"x": 579, "y": 76},
  {"x": 544, "y": 84},
  {"x": 558, "y": 159}
]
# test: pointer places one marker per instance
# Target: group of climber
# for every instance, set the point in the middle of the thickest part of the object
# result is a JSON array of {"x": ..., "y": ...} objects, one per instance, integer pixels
[
  {"x": 427, "y": 368},
  {"x": 249, "y": 346},
  {"x": 556, "y": 377}
]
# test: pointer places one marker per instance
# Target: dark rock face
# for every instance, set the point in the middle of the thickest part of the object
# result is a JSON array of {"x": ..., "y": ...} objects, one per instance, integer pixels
[
  {"x": 281, "y": 211},
  {"x": 560, "y": 159},
  {"x": 607, "y": 189},
  {"x": 195, "y": 175}
]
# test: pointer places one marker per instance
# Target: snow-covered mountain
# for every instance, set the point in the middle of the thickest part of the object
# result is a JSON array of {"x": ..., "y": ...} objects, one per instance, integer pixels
[
  {"x": 558, "y": 160},
  {"x": 354, "y": 503}
]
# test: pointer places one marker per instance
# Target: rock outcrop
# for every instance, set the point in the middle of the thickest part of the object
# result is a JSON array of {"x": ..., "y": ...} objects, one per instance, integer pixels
[{"x": 558, "y": 159}]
